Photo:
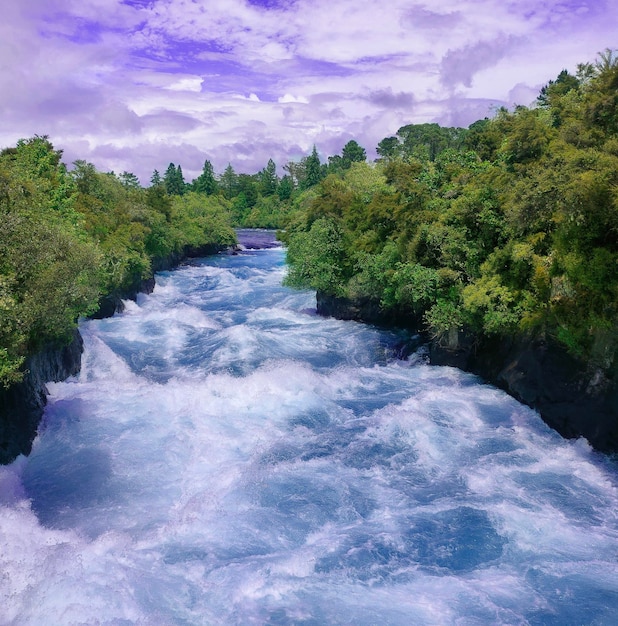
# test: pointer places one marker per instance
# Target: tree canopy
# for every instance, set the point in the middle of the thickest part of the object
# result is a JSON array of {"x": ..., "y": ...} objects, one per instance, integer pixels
[
  {"x": 509, "y": 227},
  {"x": 506, "y": 228}
]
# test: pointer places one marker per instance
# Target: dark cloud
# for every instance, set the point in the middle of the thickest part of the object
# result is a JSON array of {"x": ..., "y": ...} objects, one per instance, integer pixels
[
  {"x": 389, "y": 100},
  {"x": 420, "y": 17},
  {"x": 169, "y": 121},
  {"x": 460, "y": 66}
]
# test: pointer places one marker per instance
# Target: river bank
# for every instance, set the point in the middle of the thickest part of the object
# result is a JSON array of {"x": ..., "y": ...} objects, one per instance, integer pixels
[
  {"x": 570, "y": 396},
  {"x": 22, "y": 404}
]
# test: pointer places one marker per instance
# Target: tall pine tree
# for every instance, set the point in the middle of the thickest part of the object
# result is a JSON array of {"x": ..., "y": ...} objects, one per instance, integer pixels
[
  {"x": 174, "y": 181},
  {"x": 313, "y": 170},
  {"x": 206, "y": 182}
]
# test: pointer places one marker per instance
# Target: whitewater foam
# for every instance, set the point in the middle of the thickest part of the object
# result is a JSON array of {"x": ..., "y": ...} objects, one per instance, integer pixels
[{"x": 225, "y": 457}]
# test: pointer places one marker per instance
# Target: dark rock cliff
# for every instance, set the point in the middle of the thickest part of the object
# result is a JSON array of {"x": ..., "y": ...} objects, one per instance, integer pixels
[
  {"x": 21, "y": 406},
  {"x": 572, "y": 397}
]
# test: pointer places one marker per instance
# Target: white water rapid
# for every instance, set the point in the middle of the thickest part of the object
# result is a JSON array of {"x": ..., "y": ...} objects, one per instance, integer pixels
[{"x": 228, "y": 457}]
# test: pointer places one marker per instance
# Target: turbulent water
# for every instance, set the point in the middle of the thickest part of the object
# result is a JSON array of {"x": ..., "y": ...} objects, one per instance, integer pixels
[{"x": 228, "y": 457}]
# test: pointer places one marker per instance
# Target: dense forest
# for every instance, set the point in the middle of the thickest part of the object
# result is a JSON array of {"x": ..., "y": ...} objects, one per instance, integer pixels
[
  {"x": 507, "y": 227},
  {"x": 69, "y": 238}
]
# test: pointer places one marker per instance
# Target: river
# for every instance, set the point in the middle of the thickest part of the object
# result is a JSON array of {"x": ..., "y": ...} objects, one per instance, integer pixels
[{"x": 226, "y": 456}]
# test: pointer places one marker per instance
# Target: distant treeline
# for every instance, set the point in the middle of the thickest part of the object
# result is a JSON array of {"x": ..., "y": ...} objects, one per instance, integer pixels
[{"x": 507, "y": 227}]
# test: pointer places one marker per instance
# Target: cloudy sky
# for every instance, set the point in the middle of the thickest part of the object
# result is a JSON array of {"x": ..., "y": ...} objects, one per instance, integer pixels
[{"x": 136, "y": 84}]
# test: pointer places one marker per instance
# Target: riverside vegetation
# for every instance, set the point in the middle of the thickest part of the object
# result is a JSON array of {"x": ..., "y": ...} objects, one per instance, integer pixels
[{"x": 508, "y": 228}]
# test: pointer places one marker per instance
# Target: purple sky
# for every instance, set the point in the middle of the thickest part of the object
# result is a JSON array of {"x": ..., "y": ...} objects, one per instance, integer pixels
[{"x": 134, "y": 84}]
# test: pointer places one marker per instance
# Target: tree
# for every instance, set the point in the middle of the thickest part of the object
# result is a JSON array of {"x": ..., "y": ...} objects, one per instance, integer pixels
[
  {"x": 426, "y": 141},
  {"x": 85, "y": 176},
  {"x": 336, "y": 164},
  {"x": 606, "y": 60},
  {"x": 528, "y": 138},
  {"x": 268, "y": 179},
  {"x": 129, "y": 180},
  {"x": 247, "y": 186},
  {"x": 285, "y": 188},
  {"x": 353, "y": 153},
  {"x": 389, "y": 147},
  {"x": 174, "y": 181},
  {"x": 206, "y": 182},
  {"x": 316, "y": 257},
  {"x": 229, "y": 182},
  {"x": 296, "y": 172},
  {"x": 484, "y": 137},
  {"x": 313, "y": 170},
  {"x": 182, "y": 186},
  {"x": 564, "y": 83},
  {"x": 156, "y": 179}
]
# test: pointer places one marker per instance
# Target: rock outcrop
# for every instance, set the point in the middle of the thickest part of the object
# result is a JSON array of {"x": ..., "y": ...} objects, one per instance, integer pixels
[
  {"x": 21, "y": 405},
  {"x": 571, "y": 396}
]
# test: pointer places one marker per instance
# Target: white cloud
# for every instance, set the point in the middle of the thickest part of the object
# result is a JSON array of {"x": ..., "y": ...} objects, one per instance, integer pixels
[
  {"x": 231, "y": 81},
  {"x": 289, "y": 98},
  {"x": 189, "y": 83}
]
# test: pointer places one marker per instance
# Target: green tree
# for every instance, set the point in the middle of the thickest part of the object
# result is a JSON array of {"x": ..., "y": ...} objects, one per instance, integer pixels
[
  {"x": 129, "y": 180},
  {"x": 426, "y": 141},
  {"x": 174, "y": 180},
  {"x": 317, "y": 257},
  {"x": 312, "y": 170},
  {"x": 229, "y": 182},
  {"x": 353, "y": 153},
  {"x": 206, "y": 182},
  {"x": 156, "y": 179},
  {"x": 389, "y": 148},
  {"x": 564, "y": 83},
  {"x": 248, "y": 186},
  {"x": 285, "y": 188},
  {"x": 268, "y": 179},
  {"x": 49, "y": 271}
]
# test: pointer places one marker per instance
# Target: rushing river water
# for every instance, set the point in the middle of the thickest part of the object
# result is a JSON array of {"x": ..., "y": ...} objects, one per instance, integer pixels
[{"x": 228, "y": 457}]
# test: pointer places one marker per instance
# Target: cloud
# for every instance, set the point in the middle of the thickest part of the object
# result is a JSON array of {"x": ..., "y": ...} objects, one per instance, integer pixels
[
  {"x": 289, "y": 98},
  {"x": 419, "y": 17},
  {"x": 189, "y": 83},
  {"x": 135, "y": 84},
  {"x": 458, "y": 67},
  {"x": 387, "y": 99}
]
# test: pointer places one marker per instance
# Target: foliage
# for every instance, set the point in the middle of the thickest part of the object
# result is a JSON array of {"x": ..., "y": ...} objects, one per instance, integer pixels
[
  {"x": 206, "y": 182},
  {"x": 49, "y": 269},
  {"x": 199, "y": 221},
  {"x": 66, "y": 238},
  {"x": 316, "y": 257},
  {"x": 174, "y": 180},
  {"x": 507, "y": 227}
]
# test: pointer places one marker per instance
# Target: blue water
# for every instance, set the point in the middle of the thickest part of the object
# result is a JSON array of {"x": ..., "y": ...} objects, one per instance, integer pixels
[{"x": 228, "y": 457}]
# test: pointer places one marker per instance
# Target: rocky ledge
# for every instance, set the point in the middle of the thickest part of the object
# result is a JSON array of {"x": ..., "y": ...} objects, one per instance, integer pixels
[
  {"x": 572, "y": 397},
  {"x": 22, "y": 405}
]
